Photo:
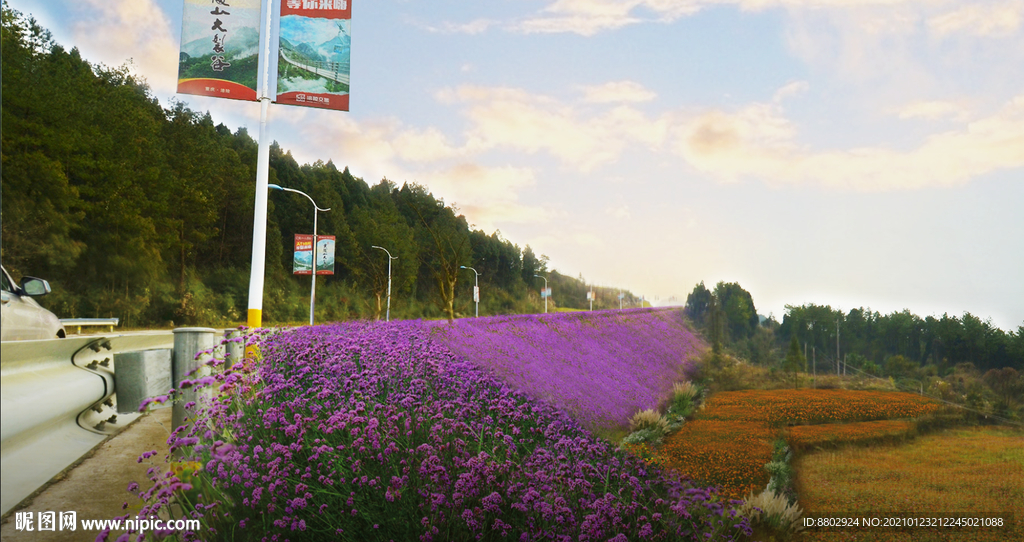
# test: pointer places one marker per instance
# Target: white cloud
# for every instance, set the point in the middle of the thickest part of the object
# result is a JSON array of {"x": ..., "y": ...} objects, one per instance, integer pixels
[
  {"x": 486, "y": 195},
  {"x": 428, "y": 145},
  {"x": 620, "y": 212},
  {"x": 618, "y": 91},
  {"x": 757, "y": 141},
  {"x": 514, "y": 118},
  {"x": 386, "y": 148},
  {"x": 113, "y": 31},
  {"x": 790, "y": 90},
  {"x": 589, "y": 17},
  {"x": 584, "y": 17},
  {"x": 995, "y": 20},
  {"x": 477, "y": 26},
  {"x": 934, "y": 110}
]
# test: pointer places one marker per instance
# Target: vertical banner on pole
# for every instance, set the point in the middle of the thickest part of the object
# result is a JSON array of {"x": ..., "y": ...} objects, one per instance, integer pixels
[
  {"x": 314, "y": 53},
  {"x": 220, "y": 48},
  {"x": 302, "y": 263},
  {"x": 476, "y": 294},
  {"x": 325, "y": 255}
]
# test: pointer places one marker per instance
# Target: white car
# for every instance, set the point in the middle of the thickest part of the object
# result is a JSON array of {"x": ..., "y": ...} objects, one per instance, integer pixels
[{"x": 22, "y": 317}]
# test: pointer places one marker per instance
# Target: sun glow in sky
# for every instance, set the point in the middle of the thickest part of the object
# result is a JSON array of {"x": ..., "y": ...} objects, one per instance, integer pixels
[{"x": 845, "y": 152}]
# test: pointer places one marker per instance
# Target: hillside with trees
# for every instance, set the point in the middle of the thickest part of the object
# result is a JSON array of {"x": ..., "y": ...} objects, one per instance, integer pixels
[
  {"x": 144, "y": 212},
  {"x": 964, "y": 360}
]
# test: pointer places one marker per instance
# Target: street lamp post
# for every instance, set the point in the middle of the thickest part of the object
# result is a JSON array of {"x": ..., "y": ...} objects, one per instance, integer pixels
[
  {"x": 545, "y": 296},
  {"x": 476, "y": 288},
  {"x": 387, "y": 318},
  {"x": 316, "y": 210}
]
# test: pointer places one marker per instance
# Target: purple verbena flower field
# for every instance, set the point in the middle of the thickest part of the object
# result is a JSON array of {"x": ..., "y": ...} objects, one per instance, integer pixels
[
  {"x": 600, "y": 366},
  {"x": 378, "y": 431}
]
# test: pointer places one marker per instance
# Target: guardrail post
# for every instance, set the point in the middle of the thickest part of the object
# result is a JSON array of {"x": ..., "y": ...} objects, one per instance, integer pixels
[
  {"x": 188, "y": 341},
  {"x": 235, "y": 349},
  {"x": 139, "y": 375}
]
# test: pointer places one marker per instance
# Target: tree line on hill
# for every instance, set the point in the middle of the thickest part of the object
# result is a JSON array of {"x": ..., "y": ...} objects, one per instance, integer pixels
[
  {"x": 134, "y": 210},
  {"x": 965, "y": 360}
]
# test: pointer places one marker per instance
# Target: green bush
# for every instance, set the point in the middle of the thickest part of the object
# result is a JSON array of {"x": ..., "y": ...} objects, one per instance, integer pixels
[{"x": 644, "y": 436}]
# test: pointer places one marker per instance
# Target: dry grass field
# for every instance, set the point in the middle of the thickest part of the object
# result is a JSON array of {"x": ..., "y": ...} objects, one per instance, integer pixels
[{"x": 966, "y": 472}]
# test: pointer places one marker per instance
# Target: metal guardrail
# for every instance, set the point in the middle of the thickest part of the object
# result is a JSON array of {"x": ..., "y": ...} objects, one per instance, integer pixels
[
  {"x": 79, "y": 322},
  {"x": 57, "y": 402}
]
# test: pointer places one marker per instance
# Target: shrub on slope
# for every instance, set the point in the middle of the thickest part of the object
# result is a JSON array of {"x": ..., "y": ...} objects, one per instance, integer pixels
[
  {"x": 373, "y": 431},
  {"x": 600, "y": 366}
]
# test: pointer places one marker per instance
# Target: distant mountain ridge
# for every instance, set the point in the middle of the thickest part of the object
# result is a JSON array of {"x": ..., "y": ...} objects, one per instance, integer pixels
[{"x": 238, "y": 43}]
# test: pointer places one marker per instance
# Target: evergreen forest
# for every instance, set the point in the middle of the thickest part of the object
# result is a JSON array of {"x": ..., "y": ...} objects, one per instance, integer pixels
[{"x": 134, "y": 210}]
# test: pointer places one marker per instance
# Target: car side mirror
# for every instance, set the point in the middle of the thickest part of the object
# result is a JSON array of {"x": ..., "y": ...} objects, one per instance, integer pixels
[{"x": 34, "y": 287}]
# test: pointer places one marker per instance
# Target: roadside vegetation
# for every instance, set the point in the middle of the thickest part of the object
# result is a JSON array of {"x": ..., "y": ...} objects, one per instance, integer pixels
[
  {"x": 436, "y": 431},
  {"x": 378, "y": 431}
]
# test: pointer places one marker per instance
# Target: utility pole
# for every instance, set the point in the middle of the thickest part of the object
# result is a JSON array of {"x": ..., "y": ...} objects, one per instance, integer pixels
[
  {"x": 387, "y": 317},
  {"x": 814, "y": 367},
  {"x": 837, "y": 346},
  {"x": 476, "y": 289},
  {"x": 545, "y": 294}
]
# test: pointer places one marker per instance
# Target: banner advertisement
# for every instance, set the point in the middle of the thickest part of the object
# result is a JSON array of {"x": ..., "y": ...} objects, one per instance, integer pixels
[
  {"x": 302, "y": 263},
  {"x": 476, "y": 294},
  {"x": 220, "y": 48},
  {"x": 325, "y": 255},
  {"x": 314, "y": 53},
  {"x": 545, "y": 292}
]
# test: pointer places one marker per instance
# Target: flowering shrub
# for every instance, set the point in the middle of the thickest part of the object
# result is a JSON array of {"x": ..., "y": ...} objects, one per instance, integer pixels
[
  {"x": 374, "y": 431},
  {"x": 782, "y": 407},
  {"x": 599, "y": 366}
]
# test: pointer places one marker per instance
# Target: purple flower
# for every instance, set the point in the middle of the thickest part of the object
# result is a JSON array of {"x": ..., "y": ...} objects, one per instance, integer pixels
[{"x": 358, "y": 417}]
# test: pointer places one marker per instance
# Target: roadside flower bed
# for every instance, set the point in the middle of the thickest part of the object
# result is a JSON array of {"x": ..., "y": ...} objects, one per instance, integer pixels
[
  {"x": 599, "y": 366},
  {"x": 374, "y": 431},
  {"x": 800, "y": 407}
]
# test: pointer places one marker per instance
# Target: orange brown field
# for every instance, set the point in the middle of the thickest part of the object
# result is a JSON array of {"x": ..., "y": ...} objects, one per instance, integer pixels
[
  {"x": 730, "y": 440},
  {"x": 727, "y": 453},
  {"x": 969, "y": 472},
  {"x": 800, "y": 407},
  {"x": 802, "y": 437}
]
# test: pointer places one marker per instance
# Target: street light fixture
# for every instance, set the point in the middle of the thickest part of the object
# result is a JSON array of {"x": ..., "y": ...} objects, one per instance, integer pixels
[
  {"x": 316, "y": 209},
  {"x": 476, "y": 288},
  {"x": 545, "y": 293},
  {"x": 387, "y": 318}
]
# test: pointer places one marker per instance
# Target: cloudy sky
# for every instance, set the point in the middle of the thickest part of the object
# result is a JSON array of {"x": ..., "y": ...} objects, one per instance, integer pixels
[{"x": 845, "y": 152}]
